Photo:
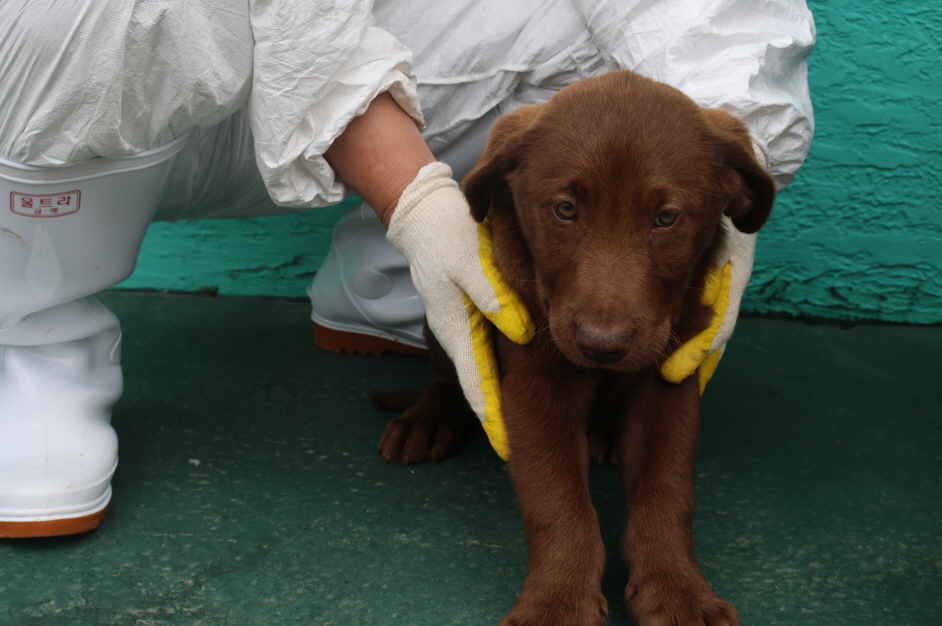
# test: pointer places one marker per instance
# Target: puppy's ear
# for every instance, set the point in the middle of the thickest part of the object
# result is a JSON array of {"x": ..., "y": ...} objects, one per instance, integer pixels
[
  {"x": 751, "y": 188},
  {"x": 487, "y": 182}
]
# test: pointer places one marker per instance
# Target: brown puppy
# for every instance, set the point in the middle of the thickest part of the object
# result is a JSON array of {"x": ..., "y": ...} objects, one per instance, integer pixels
[{"x": 606, "y": 207}]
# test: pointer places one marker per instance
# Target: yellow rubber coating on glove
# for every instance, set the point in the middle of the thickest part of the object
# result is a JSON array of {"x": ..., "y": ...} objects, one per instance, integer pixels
[
  {"x": 695, "y": 352},
  {"x": 482, "y": 338},
  {"x": 512, "y": 318},
  {"x": 713, "y": 288},
  {"x": 707, "y": 368}
]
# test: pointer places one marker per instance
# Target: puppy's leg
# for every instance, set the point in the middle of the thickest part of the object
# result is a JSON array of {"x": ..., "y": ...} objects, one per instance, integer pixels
[
  {"x": 545, "y": 411},
  {"x": 438, "y": 424},
  {"x": 659, "y": 447}
]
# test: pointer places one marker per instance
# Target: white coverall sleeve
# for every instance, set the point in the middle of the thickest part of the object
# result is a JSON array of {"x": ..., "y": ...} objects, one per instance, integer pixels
[
  {"x": 317, "y": 65},
  {"x": 111, "y": 78},
  {"x": 745, "y": 56}
]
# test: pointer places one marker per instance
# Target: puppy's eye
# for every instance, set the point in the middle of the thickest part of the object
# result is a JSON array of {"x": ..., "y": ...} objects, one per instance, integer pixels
[
  {"x": 565, "y": 211},
  {"x": 666, "y": 219}
]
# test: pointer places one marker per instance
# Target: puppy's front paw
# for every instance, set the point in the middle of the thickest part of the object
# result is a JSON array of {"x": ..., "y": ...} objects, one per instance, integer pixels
[
  {"x": 673, "y": 600},
  {"x": 588, "y": 610},
  {"x": 419, "y": 435}
]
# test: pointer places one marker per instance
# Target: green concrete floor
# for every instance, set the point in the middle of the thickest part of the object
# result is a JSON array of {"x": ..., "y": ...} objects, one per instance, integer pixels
[{"x": 250, "y": 490}]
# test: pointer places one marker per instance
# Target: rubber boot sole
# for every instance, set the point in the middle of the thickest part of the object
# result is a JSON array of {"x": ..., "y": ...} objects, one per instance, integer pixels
[
  {"x": 52, "y": 528},
  {"x": 356, "y": 343}
]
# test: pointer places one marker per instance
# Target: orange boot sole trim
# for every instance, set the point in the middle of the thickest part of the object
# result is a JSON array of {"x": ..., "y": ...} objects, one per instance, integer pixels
[
  {"x": 355, "y": 343},
  {"x": 52, "y": 528}
]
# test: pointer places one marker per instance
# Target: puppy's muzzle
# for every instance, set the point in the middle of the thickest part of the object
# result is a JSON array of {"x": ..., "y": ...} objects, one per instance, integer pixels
[{"x": 603, "y": 346}]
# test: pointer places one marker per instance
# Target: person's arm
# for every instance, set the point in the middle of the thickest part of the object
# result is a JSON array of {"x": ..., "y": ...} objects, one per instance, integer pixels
[
  {"x": 379, "y": 154},
  {"x": 382, "y": 156}
]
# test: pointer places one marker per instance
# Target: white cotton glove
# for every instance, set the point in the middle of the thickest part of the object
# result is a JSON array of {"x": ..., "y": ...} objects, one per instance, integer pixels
[
  {"x": 450, "y": 261},
  {"x": 723, "y": 293}
]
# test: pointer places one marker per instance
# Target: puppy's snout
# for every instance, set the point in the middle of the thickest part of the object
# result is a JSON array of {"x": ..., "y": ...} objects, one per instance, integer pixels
[{"x": 602, "y": 345}]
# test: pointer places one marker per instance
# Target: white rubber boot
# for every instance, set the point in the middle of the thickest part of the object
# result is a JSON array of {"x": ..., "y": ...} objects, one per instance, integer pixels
[
  {"x": 362, "y": 298},
  {"x": 67, "y": 233}
]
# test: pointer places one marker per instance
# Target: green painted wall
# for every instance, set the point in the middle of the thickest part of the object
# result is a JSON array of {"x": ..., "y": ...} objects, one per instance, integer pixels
[
  {"x": 270, "y": 256},
  {"x": 858, "y": 235}
]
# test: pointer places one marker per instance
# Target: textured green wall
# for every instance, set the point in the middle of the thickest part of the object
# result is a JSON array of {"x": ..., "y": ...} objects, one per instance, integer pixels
[
  {"x": 858, "y": 235},
  {"x": 270, "y": 256}
]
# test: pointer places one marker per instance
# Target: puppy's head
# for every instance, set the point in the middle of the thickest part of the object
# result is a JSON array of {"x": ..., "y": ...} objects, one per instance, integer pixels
[{"x": 618, "y": 186}]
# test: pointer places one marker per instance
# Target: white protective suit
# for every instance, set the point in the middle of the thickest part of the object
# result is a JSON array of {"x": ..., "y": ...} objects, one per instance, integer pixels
[
  {"x": 160, "y": 69},
  {"x": 261, "y": 89},
  {"x": 111, "y": 78},
  {"x": 745, "y": 56}
]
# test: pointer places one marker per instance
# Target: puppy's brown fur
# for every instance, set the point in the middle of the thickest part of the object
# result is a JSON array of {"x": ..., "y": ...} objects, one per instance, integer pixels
[{"x": 605, "y": 206}]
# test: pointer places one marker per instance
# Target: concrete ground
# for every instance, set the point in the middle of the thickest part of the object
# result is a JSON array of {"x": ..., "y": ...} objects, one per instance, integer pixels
[{"x": 250, "y": 491}]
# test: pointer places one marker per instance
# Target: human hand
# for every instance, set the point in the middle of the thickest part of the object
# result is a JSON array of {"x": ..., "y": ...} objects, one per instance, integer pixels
[
  {"x": 722, "y": 293},
  {"x": 450, "y": 262}
]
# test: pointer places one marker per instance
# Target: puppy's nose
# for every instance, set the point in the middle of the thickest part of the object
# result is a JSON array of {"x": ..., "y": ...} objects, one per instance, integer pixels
[{"x": 602, "y": 345}]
